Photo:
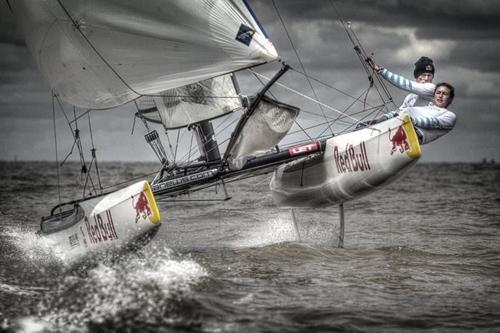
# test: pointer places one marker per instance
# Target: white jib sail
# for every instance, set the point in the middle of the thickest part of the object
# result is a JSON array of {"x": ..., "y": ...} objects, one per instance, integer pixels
[
  {"x": 102, "y": 53},
  {"x": 265, "y": 128},
  {"x": 180, "y": 107}
]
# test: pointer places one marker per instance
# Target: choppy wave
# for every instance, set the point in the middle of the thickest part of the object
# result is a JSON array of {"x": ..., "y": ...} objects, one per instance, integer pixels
[{"x": 421, "y": 254}]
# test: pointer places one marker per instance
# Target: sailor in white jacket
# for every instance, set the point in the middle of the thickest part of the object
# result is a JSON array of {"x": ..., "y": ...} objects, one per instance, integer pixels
[{"x": 431, "y": 121}]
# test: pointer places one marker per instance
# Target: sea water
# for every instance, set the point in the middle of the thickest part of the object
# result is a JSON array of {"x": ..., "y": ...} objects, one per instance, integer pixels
[{"x": 421, "y": 254}]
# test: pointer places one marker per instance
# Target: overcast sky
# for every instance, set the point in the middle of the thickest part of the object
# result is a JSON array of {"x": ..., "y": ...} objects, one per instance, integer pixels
[{"x": 462, "y": 37}]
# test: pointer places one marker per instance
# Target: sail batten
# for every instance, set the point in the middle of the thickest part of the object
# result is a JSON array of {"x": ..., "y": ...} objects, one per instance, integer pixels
[{"x": 100, "y": 54}]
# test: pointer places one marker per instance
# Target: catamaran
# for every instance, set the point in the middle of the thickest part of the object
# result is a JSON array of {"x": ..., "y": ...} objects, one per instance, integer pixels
[{"x": 178, "y": 61}]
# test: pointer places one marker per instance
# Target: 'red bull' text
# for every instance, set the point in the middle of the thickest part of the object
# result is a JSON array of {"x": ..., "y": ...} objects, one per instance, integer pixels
[
  {"x": 100, "y": 230},
  {"x": 351, "y": 160}
]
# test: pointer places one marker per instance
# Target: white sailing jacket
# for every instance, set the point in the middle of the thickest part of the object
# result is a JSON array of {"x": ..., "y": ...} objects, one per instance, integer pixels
[{"x": 431, "y": 122}]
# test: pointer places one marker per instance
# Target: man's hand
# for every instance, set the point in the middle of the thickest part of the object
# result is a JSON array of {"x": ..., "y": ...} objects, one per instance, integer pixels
[{"x": 372, "y": 64}]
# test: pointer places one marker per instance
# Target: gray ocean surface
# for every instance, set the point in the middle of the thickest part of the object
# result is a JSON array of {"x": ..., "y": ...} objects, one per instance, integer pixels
[{"x": 422, "y": 254}]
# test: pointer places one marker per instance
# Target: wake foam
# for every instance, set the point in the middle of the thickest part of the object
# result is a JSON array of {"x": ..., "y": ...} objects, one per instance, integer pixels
[
  {"x": 145, "y": 286},
  {"x": 139, "y": 287},
  {"x": 32, "y": 248},
  {"x": 275, "y": 230}
]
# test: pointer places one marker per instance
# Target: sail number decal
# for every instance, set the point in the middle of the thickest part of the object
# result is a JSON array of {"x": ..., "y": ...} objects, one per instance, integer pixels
[
  {"x": 353, "y": 159},
  {"x": 310, "y": 147},
  {"x": 100, "y": 230},
  {"x": 245, "y": 34}
]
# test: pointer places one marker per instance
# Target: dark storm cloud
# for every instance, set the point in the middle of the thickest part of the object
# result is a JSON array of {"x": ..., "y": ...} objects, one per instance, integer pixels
[
  {"x": 483, "y": 55},
  {"x": 475, "y": 17},
  {"x": 473, "y": 25},
  {"x": 15, "y": 57},
  {"x": 9, "y": 33},
  {"x": 23, "y": 92}
]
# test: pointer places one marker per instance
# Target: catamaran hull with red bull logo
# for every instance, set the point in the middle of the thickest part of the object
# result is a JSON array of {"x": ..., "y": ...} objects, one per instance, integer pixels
[
  {"x": 351, "y": 165},
  {"x": 108, "y": 223}
]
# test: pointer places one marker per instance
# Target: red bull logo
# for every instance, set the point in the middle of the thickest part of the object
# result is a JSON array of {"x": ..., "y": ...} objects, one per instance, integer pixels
[
  {"x": 399, "y": 141},
  {"x": 142, "y": 208}
]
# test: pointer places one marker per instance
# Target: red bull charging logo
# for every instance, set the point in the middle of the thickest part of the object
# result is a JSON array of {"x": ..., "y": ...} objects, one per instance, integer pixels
[
  {"x": 142, "y": 208},
  {"x": 399, "y": 141}
]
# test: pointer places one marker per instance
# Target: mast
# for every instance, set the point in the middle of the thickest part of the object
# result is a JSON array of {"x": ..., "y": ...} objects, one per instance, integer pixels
[{"x": 207, "y": 143}]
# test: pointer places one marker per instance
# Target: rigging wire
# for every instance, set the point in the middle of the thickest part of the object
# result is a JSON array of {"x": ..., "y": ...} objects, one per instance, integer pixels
[
  {"x": 356, "y": 99},
  {"x": 170, "y": 146},
  {"x": 55, "y": 144},
  {"x": 94, "y": 156},
  {"x": 363, "y": 57},
  {"x": 190, "y": 145},
  {"x": 133, "y": 124},
  {"x": 80, "y": 116},
  {"x": 76, "y": 137},
  {"x": 79, "y": 144},
  {"x": 177, "y": 144},
  {"x": 76, "y": 141},
  {"x": 87, "y": 179},
  {"x": 299, "y": 59},
  {"x": 306, "y": 97}
]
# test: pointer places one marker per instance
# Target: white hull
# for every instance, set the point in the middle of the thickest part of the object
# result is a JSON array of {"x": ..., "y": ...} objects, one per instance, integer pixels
[
  {"x": 108, "y": 223},
  {"x": 352, "y": 165}
]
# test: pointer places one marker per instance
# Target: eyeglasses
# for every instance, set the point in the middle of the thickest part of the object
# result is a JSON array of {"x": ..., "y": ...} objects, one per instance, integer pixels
[{"x": 442, "y": 92}]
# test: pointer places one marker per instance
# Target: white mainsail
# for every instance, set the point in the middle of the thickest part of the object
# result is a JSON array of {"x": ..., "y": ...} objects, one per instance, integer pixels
[{"x": 99, "y": 54}]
